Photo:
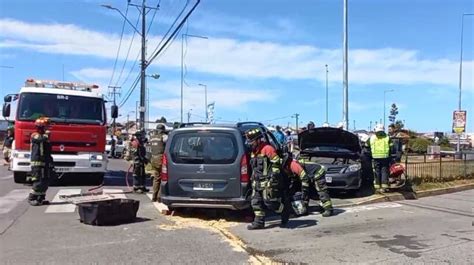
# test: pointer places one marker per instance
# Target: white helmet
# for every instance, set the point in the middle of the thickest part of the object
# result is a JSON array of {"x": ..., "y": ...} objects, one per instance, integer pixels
[
  {"x": 364, "y": 138},
  {"x": 340, "y": 125},
  {"x": 379, "y": 128},
  {"x": 325, "y": 124}
]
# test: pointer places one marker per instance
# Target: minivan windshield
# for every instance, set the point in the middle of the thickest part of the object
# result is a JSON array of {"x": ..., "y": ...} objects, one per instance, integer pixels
[
  {"x": 204, "y": 148},
  {"x": 61, "y": 108}
]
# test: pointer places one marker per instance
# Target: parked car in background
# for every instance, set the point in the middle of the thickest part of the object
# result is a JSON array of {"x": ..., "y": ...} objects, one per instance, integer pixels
[
  {"x": 207, "y": 166},
  {"x": 119, "y": 146},
  {"x": 340, "y": 152}
]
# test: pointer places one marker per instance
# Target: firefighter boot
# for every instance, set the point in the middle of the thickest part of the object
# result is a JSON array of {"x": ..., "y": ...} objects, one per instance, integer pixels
[
  {"x": 327, "y": 212},
  {"x": 258, "y": 223},
  {"x": 42, "y": 200}
]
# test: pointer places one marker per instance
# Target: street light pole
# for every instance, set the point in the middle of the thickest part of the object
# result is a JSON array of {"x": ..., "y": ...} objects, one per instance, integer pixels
[
  {"x": 384, "y": 101},
  {"x": 182, "y": 65},
  {"x": 205, "y": 101},
  {"x": 345, "y": 111},
  {"x": 327, "y": 96},
  {"x": 458, "y": 148}
]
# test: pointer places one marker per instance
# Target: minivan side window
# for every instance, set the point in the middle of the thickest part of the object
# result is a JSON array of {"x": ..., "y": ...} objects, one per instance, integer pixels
[{"x": 204, "y": 148}]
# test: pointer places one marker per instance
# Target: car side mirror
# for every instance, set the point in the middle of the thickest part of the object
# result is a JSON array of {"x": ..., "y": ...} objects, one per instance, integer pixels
[
  {"x": 6, "y": 110},
  {"x": 114, "y": 111},
  {"x": 7, "y": 98}
]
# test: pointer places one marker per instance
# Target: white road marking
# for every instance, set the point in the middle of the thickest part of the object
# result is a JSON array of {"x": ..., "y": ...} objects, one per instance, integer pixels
[
  {"x": 115, "y": 192},
  {"x": 65, "y": 207},
  {"x": 364, "y": 208},
  {"x": 9, "y": 201},
  {"x": 7, "y": 177}
]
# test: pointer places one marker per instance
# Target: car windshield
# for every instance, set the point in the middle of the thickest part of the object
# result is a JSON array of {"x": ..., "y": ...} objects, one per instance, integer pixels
[
  {"x": 61, "y": 108},
  {"x": 200, "y": 148}
]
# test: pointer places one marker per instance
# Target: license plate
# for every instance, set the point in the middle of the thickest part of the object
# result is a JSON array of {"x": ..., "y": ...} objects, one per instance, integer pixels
[
  {"x": 62, "y": 169},
  {"x": 328, "y": 179},
  {"x": 203, "y": 186}
]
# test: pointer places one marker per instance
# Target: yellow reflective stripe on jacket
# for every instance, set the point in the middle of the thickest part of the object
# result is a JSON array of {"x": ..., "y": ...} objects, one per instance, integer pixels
[
  {"x": 37, "y": 163},
  {"x": 380, "y": 147}
]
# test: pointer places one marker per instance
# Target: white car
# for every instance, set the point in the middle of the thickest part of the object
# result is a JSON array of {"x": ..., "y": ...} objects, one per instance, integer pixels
[{"x": 119, "y": 146}]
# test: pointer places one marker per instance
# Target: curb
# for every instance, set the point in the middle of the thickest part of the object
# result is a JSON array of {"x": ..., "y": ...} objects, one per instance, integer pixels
[{"x": 408, "y": 196}]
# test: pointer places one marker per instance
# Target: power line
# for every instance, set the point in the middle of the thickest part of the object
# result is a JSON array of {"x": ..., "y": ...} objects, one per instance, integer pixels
[
  {"x": 170, "y": 28},
  {"x": 173, "y": 35},
  {"x": 120, "y": 45},
  {"x": 126, "y": 58}
]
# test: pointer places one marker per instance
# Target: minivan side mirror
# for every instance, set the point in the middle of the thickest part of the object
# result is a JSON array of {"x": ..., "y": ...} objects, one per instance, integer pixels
[
  {"x": 114, "y": 111},
  {"x": 6, "y": 110}
]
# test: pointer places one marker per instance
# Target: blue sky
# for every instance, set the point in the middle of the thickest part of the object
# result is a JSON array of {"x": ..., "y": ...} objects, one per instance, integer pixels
[{"x": 264, "y": 60}]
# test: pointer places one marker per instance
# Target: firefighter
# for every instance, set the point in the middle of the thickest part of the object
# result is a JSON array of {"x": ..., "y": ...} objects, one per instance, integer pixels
[
  {"x": 138, "y": 152},
  {"x": 379, "y": 145},
  {"x": 269, "y": 187},
  {"x": 317, "y": 174},
  {"x": 41, "y": 162},
  {"x": 157, "y": 143}
]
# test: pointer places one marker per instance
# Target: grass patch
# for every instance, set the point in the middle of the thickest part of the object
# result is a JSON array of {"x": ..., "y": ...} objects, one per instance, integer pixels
[{"x": 439, "y": 185}]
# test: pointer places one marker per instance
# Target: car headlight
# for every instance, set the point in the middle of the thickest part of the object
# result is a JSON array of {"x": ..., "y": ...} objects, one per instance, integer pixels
[
  {"x": 97, "y": 157},
  {"x": 353, "y": 168},
  {"x": 27, "y": 155},
  {"x": 15, "y": 155}
]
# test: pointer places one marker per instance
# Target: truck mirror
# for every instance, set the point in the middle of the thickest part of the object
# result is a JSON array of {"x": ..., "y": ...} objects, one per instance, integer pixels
[
  {"x": 114, "y": 111},
  {"x": 7, "y": 98},
  {"x": 6, "y": 110}
]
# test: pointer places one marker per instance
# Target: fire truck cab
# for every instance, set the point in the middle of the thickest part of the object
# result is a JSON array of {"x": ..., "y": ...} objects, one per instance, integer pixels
[{"x": 78, "y": 130}]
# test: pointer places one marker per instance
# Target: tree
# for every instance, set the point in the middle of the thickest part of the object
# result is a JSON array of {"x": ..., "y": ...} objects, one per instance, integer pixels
[
  {"x": 419, "y": 145},
  {"x": 393, "y": 113},
  {"x": 161, "y": 120}
]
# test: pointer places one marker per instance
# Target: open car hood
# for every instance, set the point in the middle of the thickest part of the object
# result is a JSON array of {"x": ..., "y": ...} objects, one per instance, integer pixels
[{"x": 310, "y": 140}]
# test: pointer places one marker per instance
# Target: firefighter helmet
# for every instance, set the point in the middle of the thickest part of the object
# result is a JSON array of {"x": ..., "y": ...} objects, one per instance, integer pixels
[
  {"x": 160, "y": 127},
  {"x": 253, "y": 134},
  {"x": 42, "y": 122},
  {"x": 379, "y": 128}
]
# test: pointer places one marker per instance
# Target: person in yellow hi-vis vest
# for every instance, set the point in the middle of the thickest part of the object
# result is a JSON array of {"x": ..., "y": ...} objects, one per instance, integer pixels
[{"x": 380, "y": 146}]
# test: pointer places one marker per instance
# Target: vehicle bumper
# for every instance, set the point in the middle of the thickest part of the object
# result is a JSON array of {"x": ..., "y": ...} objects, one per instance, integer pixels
[
  {"x": 346, "y": 181},
  {"x": 217, "y": 203},
  {"x": 80, "y": 163}
]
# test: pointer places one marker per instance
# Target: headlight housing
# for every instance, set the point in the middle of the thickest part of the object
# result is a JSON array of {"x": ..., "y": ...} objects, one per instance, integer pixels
[
  {"x": 353, "y": 168},
  {"x": 21, "y": 155}
]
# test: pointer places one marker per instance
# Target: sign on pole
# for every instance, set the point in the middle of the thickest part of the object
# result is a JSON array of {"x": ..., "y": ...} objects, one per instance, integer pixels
[{"x": 459, "y": 121}]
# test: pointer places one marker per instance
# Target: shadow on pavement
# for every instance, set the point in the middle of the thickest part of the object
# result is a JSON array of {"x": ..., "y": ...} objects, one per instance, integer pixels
[{"x": 294, "y": 224}]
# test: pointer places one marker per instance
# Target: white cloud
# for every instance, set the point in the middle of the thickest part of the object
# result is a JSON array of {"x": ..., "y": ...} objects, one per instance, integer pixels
[
  {"x": 248, "y": 59},
  {"x": 92, "y": 74}
]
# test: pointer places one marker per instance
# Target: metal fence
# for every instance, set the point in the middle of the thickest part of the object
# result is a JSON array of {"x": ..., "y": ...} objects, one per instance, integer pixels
[{"x": 439, "y": 167}]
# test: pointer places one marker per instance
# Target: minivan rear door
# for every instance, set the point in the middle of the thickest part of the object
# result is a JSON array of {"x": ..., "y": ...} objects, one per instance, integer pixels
[{"x": 205, "y": 163}]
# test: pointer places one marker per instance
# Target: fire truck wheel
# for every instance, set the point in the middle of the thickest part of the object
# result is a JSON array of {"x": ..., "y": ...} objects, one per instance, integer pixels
[{"x": 19, "y": 177}]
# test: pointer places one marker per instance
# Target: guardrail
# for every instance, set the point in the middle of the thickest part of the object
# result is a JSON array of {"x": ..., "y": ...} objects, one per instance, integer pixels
[{"x": 439, "y": 167}]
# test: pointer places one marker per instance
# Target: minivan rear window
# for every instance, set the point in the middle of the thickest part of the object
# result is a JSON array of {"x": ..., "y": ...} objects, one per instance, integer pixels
[{"x": 204, "y": 148}]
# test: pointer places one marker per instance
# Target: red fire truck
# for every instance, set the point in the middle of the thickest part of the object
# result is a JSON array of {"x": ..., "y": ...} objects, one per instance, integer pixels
[{"x": 78, "y": 131}]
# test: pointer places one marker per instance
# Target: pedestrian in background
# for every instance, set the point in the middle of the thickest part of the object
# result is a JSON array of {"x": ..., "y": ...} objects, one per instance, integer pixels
[{"x": 280, "y": 137}]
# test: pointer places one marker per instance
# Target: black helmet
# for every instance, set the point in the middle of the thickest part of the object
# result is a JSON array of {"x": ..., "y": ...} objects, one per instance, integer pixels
[
  {"x": 287, "y": 157},
  {"x": 160, "y": 127},
  {"x": 253, "y": 134},
  {"x": 311, "y": 125}
]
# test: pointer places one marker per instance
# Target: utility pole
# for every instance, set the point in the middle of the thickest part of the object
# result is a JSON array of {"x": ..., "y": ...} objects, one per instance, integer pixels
[
  {"x": 189, "y": 115},
  {"x": 370, "y": 126},
  {"x": 143, "y": 9},
  {"x": 327, "y": 96},
  {"x": 354, "y": 125},
  {"x": 296, "y": 116},
  {"x": 345, "y": 111}
]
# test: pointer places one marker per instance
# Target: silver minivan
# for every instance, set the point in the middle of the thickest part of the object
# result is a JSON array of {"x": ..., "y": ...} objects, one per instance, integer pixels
[{"x": 207, "y": 166}]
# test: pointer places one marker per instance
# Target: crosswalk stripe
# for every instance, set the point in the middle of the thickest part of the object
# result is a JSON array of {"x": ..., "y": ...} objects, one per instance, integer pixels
[
  {"x": 364, "y": 208},
  {"x": 65, "y": 207},
  {"x": 11, "y": 199},
  {"x": 115, "y": 192}
]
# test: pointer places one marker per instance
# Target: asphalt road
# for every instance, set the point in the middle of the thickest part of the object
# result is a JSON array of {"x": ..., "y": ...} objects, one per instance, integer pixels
[
  {"x": 53, "y": 234},
  {"x": 430, "y": 230}
]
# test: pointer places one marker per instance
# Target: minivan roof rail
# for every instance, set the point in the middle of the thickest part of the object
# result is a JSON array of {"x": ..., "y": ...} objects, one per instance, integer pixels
[
  {"x": 240, "y": 124},
  {"x": 189, "y": 124}
]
